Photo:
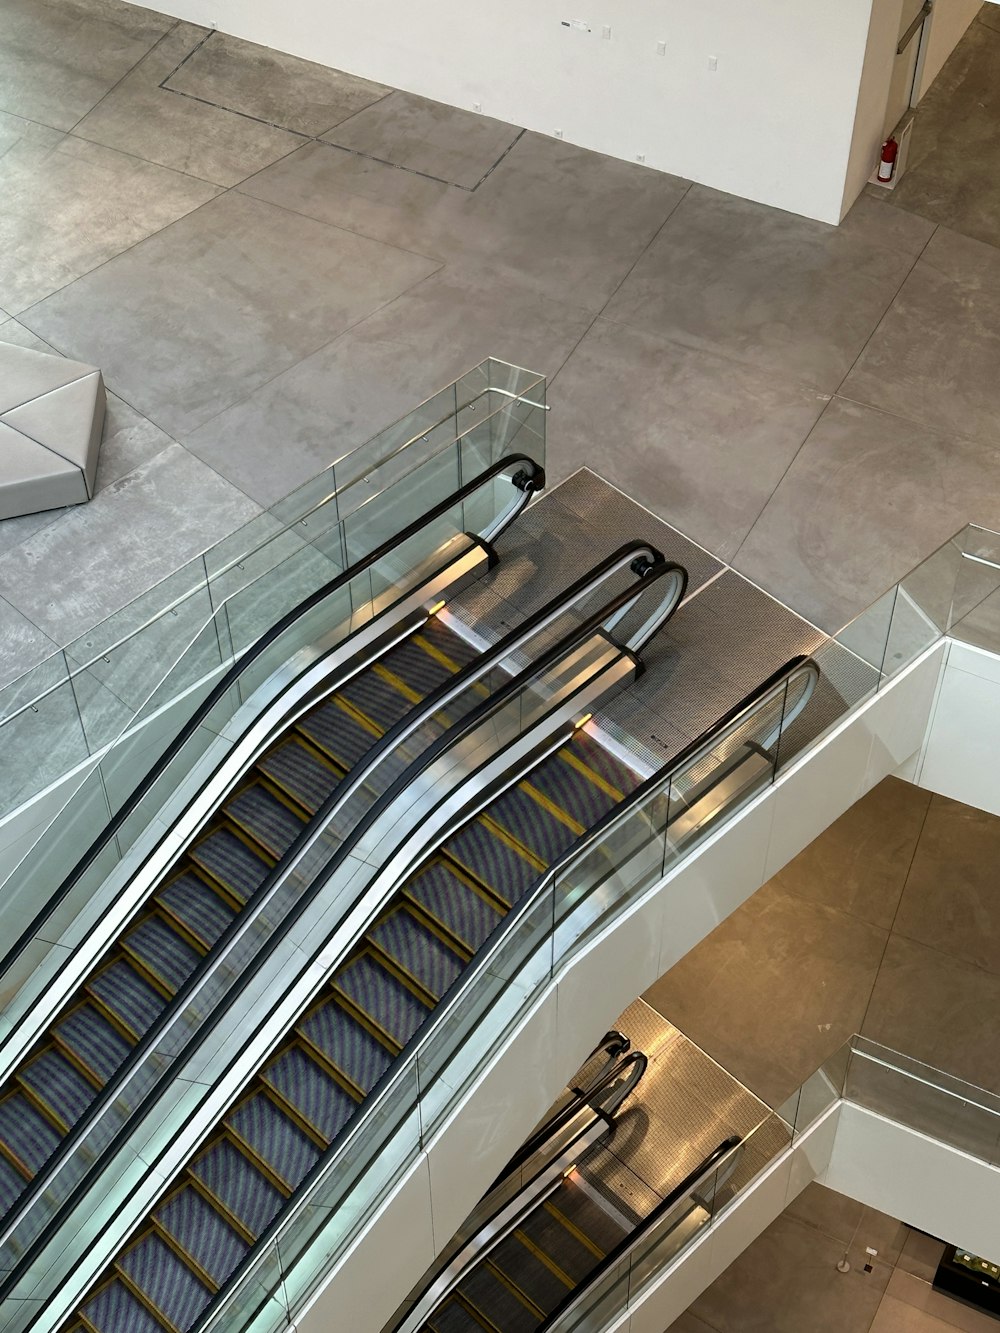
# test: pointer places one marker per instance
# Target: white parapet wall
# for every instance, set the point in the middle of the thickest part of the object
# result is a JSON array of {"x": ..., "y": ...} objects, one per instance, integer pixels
[
  {"x": 494, "y": 1114},
  {"x": 959, "y": 758}
]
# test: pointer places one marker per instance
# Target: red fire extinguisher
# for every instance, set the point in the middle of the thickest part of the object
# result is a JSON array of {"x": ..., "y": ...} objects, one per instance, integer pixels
[{"x": 887, "y": 163}]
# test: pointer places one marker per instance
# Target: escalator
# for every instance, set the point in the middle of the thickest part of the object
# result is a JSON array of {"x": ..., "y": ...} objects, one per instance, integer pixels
[
  {"x": 353, "y": 700},
  {"x": 535, "y": 1251},
  {"x": 207, "y": 887},
  {"x": 402, "y": 964}
]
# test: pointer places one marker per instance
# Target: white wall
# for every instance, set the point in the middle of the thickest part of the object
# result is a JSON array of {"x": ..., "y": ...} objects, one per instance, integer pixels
[
  {"x": 959, "y": 757},
  {"x": 876, "y": 76},
  {"x": 948, "y": 22},
  {"x": 773, "y": 123},
  {"x": 917, "y": 1179}
]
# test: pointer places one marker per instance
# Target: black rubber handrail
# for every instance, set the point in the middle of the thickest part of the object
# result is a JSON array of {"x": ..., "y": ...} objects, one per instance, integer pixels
[
  {"x": 530, "y": 481},
  {"x": 503, "y": 928},
  {"x": 244, "y": 920},
  {"x": 581, "y": 1097},
  {"x": 649, "y": 567},
  {"x": 615, "y": 1255}
]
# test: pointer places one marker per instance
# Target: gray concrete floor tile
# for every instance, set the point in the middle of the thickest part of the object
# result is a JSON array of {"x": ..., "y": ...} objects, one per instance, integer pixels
[
  {"x": 860, "y": 863},
  {"x": 445, "y": 142},
  {"x": 953, "y": 171},
  {"x": 774, "y": 990},
  {"x": 59, "y": 57},
  {"x": 242, "y": 290},
  {"x": 272, "y": 87},
  {"x": 551, "y": 216},
  {"x": 689, "y": 1323},
  {"x": 895, "y": 1316},
  {"x": 70, "y": 207},
  {"x": 72, "y": 574},
  {"x": 920, "y": 1300},
  {"x": 937, "y": 1009},
  {"x": 989, "y": 15},
  {"x": 920, "y": 1255},
  {"x": 934, "y": 358},
  {"x": 868, "y": 496},
  {"x": 180, "y": 131},
  {"x": 796, "y": 298},
  {"x": 702, "y": 439},
  {"x": 786, "y": 1281},
  {"x": 849, "y": 1222},
  {"x": 343, "y": 394},
  {"x": 22, "y": 644},
  {"x": 950, "y": 896}
]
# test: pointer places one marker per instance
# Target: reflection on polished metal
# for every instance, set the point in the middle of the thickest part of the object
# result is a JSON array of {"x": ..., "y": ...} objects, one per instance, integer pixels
[{"x": 51, "y": 420}]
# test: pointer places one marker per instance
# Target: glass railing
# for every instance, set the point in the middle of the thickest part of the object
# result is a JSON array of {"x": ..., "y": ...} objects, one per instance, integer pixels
[
  {"x": 564, "y": 652},
  {"x": 105, "y": 709},
  {"x": 917, "y": 1095},
  {"x": 622, "y": 859},
  {"x": 862, "y": 1072},
  {"x": 954, "y": 592},
  {"x": 643, "y": 842}
]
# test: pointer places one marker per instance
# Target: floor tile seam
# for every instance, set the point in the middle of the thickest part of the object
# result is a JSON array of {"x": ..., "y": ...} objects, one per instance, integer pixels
[
  {"x": 947, "y": 435},
  {"x": 600, "y": 313},
  {"x": 117, "y": 83},
  {"x": 847, "y": 911},
  {"x": 197, "y": 47},
  {"x": 340, "y": 123},
  {"x": 675, "y": 340},
  {"x": 243, "y": 115},
  {"x": 944, "y": 953},
  {"x": 56, "y": 647},
  {"x": 892, "y": 927},
  {"x": 220, "y": 186},
  {"x": 333, "y": 226},
  {"x": 837, "y": 391},
  {"x": 315, "y": 351}
]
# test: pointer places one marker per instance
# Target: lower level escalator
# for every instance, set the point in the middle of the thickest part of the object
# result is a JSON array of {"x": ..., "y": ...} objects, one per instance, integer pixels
[
  {"x": 564, "y": 1220},
  {"x": 205, "y": 890}
]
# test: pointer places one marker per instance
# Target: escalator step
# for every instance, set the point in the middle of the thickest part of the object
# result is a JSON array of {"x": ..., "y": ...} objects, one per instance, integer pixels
[
  {"x": 203, "y": 1233},
  {"x": 300, "y": 772},
  {"x": 615, "y": 773},
  {"x": 419, "y": 669},
  {"x": 116, "y": 1310},
  {"x": 525, "y": 1270},
  {"x": 531, "y": 824},
  {"x": 276, "y": 1139},
  {"x": 238, "y": 1185},
  {"x": 269, "y": 820},
  {"x": 492, "y": 861},
  {"x": 451, "y": 901},
  {"x": 163, "y": 951},
  {"x": 548, "y": 1235},
  {"x": 453, "y": 1318},
  {"x": 346, "y": 1044},
  {"x": 12, "y": 1185},
  {"x": 493, "y": 1298},
  {"x": 29, "y": 1135},
  {"x": 439, "y": 637},
  {"x": 376, "y": 992},
  {"x": 569, "y": 788},
  {"x": 231, "y": 861},
  {"x": 336, "y": 732},
  {"x": 59, "y": 1084},
  {"x": 93, "y": 1040},
  {"x": 129, "y": 996},
  {"x": 310, "y": 1089},
  {"x": 377, "y": 699},
  {"x": 576, "y": 1205},
  {"x": 196, "y": 904},
  {"x": 418, "y": 951},
  {"x": 165, "y": 1280}
]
